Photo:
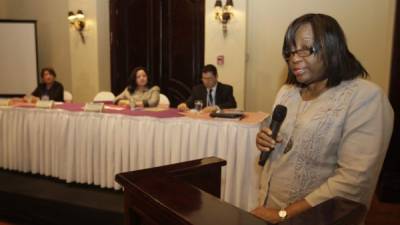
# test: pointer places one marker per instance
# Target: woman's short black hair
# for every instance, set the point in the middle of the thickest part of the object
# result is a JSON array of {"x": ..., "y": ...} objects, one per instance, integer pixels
[
  {"x": 330, "y": 42},
  {"x": 50, "y": 70},
  {"x": 209, "y": 68},
  {"x": 132, "y": 79}
]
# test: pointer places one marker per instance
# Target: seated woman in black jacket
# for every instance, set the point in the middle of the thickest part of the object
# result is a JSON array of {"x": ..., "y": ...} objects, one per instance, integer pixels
[{"x": 49, "y": 88}]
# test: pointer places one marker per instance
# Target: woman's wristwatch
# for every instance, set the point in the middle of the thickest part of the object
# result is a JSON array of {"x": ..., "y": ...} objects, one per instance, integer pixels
[{"x": 282, "y": 214}]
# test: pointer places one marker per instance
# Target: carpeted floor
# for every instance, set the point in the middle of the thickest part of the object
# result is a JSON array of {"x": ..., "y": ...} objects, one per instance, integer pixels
[{"x": 37, "y": 199}]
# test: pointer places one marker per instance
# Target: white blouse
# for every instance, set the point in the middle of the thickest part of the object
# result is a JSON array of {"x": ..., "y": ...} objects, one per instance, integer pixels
[{"x": 333, "y": 145}]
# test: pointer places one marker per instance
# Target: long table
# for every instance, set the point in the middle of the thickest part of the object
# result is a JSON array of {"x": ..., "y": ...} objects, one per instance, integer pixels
[{"x": 91, "y": 148}]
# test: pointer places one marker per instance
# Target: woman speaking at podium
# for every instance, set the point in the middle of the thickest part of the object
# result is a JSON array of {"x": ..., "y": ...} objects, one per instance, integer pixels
[{"x": 334, "y": 138}]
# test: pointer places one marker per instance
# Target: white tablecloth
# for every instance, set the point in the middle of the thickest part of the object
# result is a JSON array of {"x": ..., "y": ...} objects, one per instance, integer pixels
[{"x": 92, "y": 147}]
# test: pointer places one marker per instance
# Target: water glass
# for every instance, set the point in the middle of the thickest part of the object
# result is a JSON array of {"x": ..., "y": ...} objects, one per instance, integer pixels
[
  {"x": 198, "y": 105},
  {"x": 45, "y": 98}
]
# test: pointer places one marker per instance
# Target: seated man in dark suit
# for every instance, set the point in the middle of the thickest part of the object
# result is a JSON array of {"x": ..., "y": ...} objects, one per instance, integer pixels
[{"x": 213, "y": 94}]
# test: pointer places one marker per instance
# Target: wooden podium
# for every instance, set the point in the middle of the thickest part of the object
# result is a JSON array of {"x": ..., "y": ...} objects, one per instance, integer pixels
[{"x": 188, "y": 193}]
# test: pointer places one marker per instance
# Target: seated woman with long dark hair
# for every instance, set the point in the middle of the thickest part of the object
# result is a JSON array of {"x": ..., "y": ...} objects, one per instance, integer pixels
[{"x": 140, "y": 90}]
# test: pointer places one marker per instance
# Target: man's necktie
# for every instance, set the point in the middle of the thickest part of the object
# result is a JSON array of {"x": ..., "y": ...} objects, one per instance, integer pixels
[{"x": 210, "y": 98}]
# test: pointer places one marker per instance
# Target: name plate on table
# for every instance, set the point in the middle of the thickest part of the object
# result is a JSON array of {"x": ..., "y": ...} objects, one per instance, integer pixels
[
  {"x": 5, "y": 102},
  {"x": 44, "y": 104},
  {"x": 94, "y": 107}
]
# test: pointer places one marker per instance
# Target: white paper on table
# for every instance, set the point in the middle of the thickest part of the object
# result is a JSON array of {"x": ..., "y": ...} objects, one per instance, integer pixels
[{"x": 114, "y": 107}]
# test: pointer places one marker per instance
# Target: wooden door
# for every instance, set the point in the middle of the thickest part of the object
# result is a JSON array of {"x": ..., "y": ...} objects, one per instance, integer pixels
[{"x": 165, "y": 36}]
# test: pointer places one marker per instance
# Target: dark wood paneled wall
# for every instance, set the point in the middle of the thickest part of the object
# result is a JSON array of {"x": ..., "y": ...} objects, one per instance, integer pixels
[
  {"x": 165, "y": 36},
  {"x": 389, "y": 184}
]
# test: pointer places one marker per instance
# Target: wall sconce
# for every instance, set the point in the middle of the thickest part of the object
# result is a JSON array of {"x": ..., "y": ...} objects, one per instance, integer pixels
[
  {"x": 223, "y": 13},
  {"x": 78, "y": 21}
]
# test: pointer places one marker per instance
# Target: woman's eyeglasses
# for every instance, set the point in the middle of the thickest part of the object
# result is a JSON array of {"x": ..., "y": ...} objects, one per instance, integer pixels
[{"x": 303, "y": 52}]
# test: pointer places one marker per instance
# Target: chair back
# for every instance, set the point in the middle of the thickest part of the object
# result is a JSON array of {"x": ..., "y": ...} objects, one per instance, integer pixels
[
  {"x": 163, "y": 100},
  {"x": 67, "y": 96},
  {"x": 104, "y": 96}
]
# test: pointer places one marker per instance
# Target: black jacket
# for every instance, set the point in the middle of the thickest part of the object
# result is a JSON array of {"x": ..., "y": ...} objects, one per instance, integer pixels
[
  {"x": 56, "y": 92},
  {"x": 223, "y": 97}
]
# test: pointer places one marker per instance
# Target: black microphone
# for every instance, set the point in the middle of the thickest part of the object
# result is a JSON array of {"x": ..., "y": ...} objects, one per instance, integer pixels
[{"x": 277, "y": 118}]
